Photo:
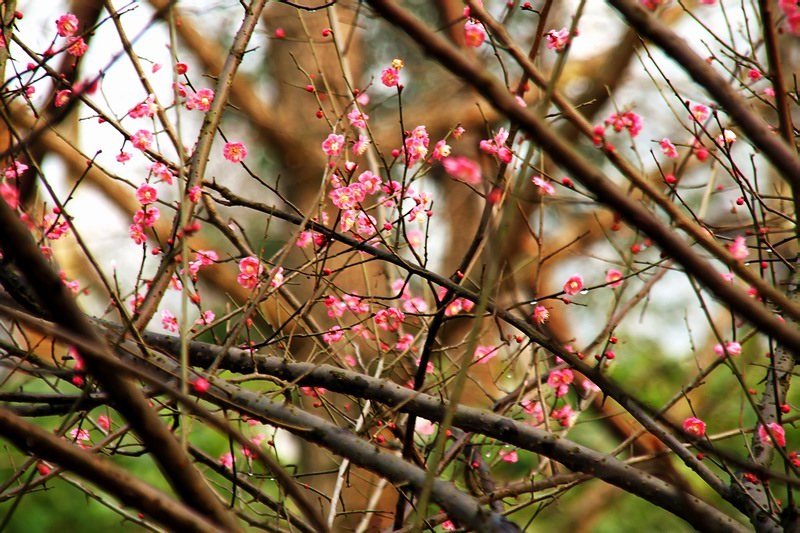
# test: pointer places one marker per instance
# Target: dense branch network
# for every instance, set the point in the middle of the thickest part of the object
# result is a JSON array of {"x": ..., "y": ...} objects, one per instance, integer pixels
[{"x": 419, "y": 391}]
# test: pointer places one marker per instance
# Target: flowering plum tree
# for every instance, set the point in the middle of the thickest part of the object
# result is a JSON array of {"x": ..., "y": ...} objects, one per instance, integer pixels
[{"x": 380, "y": 265}]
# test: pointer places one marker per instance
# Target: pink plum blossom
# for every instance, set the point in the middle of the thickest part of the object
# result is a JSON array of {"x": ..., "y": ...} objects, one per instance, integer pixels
[
  {"x": 694, "y": 427},
  {"x": 668, "y": 148},
  {"x": 62, "y": 97},
  {"x": 334, "y": 335},
  {"x": 463, "y": 169},
  {"x": 560, "y": 380},
  {"x": 389, "y": 319},
  {"x": 496, "y": 146},
  {"x": 535, "y": 409},
  {"x": 732, "y": 348},
  {"x": 206, "y": 317},
  {"x": 226, "y": 460},
  {"x": 201, "y": 100},
  {"x": 142, "y": 140},
  {"x": 509, "y": 456},
  {"x": 277, "y": 277},
  {"x": 235, "y": 152},
  {"x": 727, "y": 137},
  {"x": 360, "y": 145},
  {"x": 574, "y": 285},
  {"x": 474, "y": 33},
  {"x": 540, "y": 314},
  {"x": 136, "y": 232},
  {"x": 416, "y": 144},
  {"x": 146, "y": 194},
  {"x": 77, "y": 46},
  {"x": 777, "y": 431},
  {"x": 357, "y": 118},
  {"x": 333, "y": 145},
  {"x": 250, "y": 269},
  {"x": 628, "y": 120},
  {"x": 404, "y": 342},
  {"x": 699, "y": 113},
  {"x": 15, "y": 170},
  {"x": 390, "y": 77},
  {"x": 194, "y": 194},
  {"x": 10, "y": 194},
  {"x": 348, "y": 197},
  {"x": 336, "y": 307},
  {"x": 370, "y": 183},
  {"x": 168, "y": 321},
  {"x": 147, "y": 217},
  {"x": 162, "y": 172},
  {"x": 424, "y": 427},
  {"x": 148, "y": 108},
  {"x": 543, "y": 185},
  {"x": 441, "y": 150},
  {"x": 565, "y": 415},
  {"x": 613, "y": 278},
  {"x": 78, "y": 434},
  {"x": 67, "y": 25},
  {"x": 557, "y": 39},
  {"x": 738, "y": 248},
  {"x": 484, "y": 353}
]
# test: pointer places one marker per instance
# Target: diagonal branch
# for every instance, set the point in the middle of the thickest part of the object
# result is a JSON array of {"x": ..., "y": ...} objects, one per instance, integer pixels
[
  {"x": 679, "y": 218},
  {"x": 783, "y": 157},
  {"x": 365, "y": 455},
  {"x": 130, "y": 490},
  {"x": 460, "y": 506},
  {"x": 309, "y": 427},
  {"x": 18, "y": 246},
  {"x": 199, "y": 159},
  {"x": 595, "y": 181},
  {"x": 343, "y": 443},
  {"x": 91, "y": 347}
]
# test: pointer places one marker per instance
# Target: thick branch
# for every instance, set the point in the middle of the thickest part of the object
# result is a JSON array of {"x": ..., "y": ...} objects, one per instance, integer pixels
[
  {"x": 595, "y": 374},
  {"x": 129, "y": 489},
  {"x": 458, "y": 505},
  {"x": 18, "y": 246},
  {"x": 774, "y": 148},
  {"x": 596, "y": 182},
  {"x": 572, "y": 455},
  {"x": 129, "y": 365},
  {"x": 679, "y": 218}
]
